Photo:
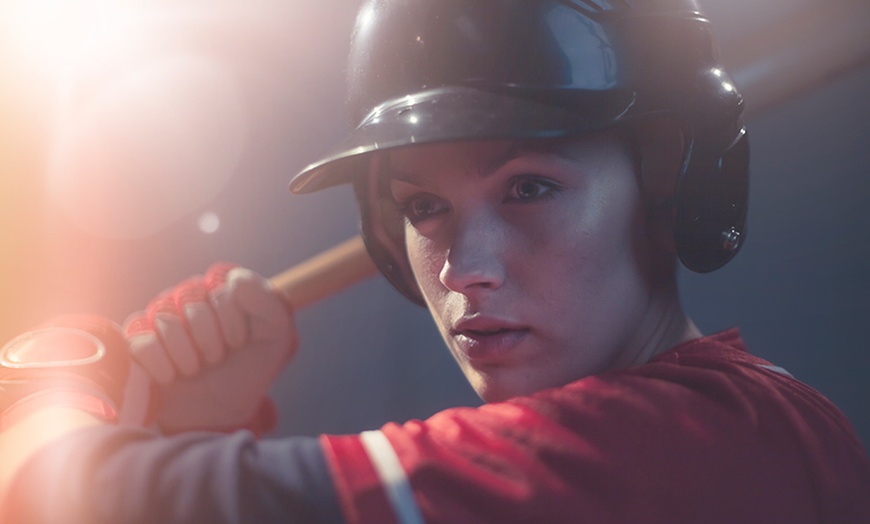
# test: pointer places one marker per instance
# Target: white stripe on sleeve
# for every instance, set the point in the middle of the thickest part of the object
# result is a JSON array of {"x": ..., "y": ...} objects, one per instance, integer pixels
[
  {"x": 392, "y": 476},
  {"x": 777, "y": 369}
]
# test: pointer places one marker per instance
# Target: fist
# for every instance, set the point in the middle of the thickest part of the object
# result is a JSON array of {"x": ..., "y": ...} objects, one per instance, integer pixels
[{"x": 213, "y": 346}]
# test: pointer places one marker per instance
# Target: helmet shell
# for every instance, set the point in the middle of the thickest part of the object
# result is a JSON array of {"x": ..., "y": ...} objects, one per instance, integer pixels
[{"x": 425, "y": 71}]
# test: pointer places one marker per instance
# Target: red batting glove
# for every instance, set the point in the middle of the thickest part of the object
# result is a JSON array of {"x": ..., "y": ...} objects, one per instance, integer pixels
[
  {"x": 79, "y": 361},
  {"x": 213, "y": 345}
]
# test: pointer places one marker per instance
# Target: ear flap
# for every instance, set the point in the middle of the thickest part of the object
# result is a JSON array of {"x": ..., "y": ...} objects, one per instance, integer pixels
[
  {"x": 697, "y": 196},
  {"x": 383, "y": 228},
  {"x": 712, "y": 202}
]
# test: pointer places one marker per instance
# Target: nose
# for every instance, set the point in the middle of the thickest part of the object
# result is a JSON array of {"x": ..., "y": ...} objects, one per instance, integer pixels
[{"x": 475, "y": 260}]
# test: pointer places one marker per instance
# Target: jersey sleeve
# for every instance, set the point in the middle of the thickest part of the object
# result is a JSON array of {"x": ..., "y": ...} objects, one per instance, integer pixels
[
  {"x": 111, "y": 475},
  {"x": 683, "y": 441}
]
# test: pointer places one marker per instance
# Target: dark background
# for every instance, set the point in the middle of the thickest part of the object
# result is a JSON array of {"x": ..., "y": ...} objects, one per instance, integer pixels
[{"x": 799, "y": 289}]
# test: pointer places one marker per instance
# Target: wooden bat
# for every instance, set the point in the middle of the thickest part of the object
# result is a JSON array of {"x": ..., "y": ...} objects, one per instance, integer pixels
[{"x": 325, "y": 274}]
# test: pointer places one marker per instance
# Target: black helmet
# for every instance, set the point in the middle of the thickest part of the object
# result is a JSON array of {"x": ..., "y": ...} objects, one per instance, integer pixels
[{"x": 424, "y": 71}]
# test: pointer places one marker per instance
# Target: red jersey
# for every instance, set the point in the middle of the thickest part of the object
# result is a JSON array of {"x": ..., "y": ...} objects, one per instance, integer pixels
[{"x": 705, "y": 432}]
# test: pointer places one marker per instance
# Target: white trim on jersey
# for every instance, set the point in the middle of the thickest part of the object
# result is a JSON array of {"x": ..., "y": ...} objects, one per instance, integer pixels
[
  {"x": 392, "y": 476},
  {"x": 777, "y": 369}
]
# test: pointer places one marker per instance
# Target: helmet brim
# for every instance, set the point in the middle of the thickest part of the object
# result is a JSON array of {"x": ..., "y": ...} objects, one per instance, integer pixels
[{"x": 464, "y": 113}]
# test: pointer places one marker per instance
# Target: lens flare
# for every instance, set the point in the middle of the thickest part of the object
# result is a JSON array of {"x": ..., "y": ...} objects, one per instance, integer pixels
[
  {"x": 149, "y": 148},
  {"x": 209, "y": 223}
]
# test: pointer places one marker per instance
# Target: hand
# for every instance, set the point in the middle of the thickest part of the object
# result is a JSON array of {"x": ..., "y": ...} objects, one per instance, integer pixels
[{"x": 213, "y": 346}]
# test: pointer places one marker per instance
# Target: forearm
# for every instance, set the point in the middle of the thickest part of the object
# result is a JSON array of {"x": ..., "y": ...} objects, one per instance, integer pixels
[
  {"x": 113, "y": 474},
  {"x": 21, "y": 441},
  {"x": 92, "y": 472},
  {"x": 65, "y": 375}
]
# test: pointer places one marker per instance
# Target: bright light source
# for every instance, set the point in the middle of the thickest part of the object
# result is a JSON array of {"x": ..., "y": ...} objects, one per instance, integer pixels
[
  {"x": 149, "y": 147},
  {"x": 56, "y": 34},
  {"x": 209, "y": 223},
  {"x": 147, "y": 127}
]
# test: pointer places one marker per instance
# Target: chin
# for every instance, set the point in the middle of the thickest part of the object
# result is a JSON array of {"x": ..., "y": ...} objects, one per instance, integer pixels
[
  {"x": 506, "y": 383},
  {"x": 500, "y": 388},
  {"x": 486, "y": 388}
]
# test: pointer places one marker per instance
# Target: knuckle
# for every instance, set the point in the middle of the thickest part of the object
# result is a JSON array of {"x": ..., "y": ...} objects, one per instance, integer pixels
[
  {"x": 137, "y": 323},
  {"x": 216, "y": 275},
  {"x": 147, "y": 350}
]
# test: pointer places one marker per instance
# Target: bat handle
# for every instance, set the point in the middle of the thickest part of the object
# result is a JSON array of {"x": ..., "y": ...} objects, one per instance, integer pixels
[{"x": 325, "y": 274}]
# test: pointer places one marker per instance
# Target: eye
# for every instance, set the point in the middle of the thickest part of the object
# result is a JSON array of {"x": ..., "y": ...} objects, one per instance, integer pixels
[
  {"x": 420, "y": 207},
  {"x": 531, "y": 187}
]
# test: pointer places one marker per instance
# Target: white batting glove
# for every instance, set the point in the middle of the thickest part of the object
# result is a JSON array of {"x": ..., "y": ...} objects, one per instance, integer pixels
[{"x": 213, "y": 346}]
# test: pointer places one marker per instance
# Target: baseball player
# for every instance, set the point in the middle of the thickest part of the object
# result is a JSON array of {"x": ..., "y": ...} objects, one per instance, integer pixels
[{"x": 532, "y": 172}]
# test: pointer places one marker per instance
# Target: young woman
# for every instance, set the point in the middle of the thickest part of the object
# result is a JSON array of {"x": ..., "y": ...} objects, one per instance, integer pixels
[{"x": 531, "y": 171}]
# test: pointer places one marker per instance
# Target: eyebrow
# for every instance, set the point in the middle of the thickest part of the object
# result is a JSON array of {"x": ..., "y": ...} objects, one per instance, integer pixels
[
  {"x": 515, "y": 149},
  {"x": 406, "y": 177}
]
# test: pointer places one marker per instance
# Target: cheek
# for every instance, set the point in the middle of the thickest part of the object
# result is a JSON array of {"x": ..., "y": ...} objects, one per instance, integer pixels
[
  {"x": 594, "y": 265},
  {"x": 616, "y": 226},
  {"x": 582, "y": 242},
  {"x": 618, "y": 275},
  {"x": 426, "y": 262}
]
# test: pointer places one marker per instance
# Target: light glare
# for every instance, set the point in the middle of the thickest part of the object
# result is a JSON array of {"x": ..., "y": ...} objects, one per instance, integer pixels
[
  {"x": 149, "y": 148},
  {"x": 57, "y": 34},
  {"x": 209, "y": 223},
  {"x": 366, "y": 16}
]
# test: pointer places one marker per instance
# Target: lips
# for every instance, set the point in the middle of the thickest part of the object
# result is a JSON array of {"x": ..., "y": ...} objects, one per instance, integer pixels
[
  {"x": 483, "y": 324},
  {"x": 477, "y": 333},
  {"x": 488, "y": 340}
]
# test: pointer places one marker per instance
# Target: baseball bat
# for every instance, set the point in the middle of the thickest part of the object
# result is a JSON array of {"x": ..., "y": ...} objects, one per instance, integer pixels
[{"x": 325, "y": 274}]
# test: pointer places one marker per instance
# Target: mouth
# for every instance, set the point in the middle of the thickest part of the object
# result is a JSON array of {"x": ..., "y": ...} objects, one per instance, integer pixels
[
  {"x": 482, "y": 333},
  {"x": 480, "y": 326},
  {"x": 488, "y": 340}
]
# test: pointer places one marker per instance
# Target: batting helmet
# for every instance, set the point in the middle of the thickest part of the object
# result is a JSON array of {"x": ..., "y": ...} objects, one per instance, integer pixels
[{"x": 424, "y": 71}]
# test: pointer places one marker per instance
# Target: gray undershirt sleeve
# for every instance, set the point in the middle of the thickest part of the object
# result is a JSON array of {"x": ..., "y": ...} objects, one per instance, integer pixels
[{"x": 116, "y": 475}]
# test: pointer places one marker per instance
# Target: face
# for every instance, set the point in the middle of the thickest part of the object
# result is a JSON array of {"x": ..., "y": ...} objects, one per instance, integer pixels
[{"x": 531, "y": 257}]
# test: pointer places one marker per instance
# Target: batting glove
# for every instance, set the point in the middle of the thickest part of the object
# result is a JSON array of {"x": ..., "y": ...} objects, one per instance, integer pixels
[
  {"x": 213, "y": 346},
  {"x": 79, "y": 361}
]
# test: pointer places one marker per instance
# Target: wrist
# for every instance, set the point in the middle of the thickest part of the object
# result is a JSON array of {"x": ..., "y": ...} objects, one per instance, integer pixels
[
  {"x": 91, "y": 402},
  {"x": 30, "y": 434},
  {"x": 76, "y": 361},
  {"x": 262, "y": 422}
]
